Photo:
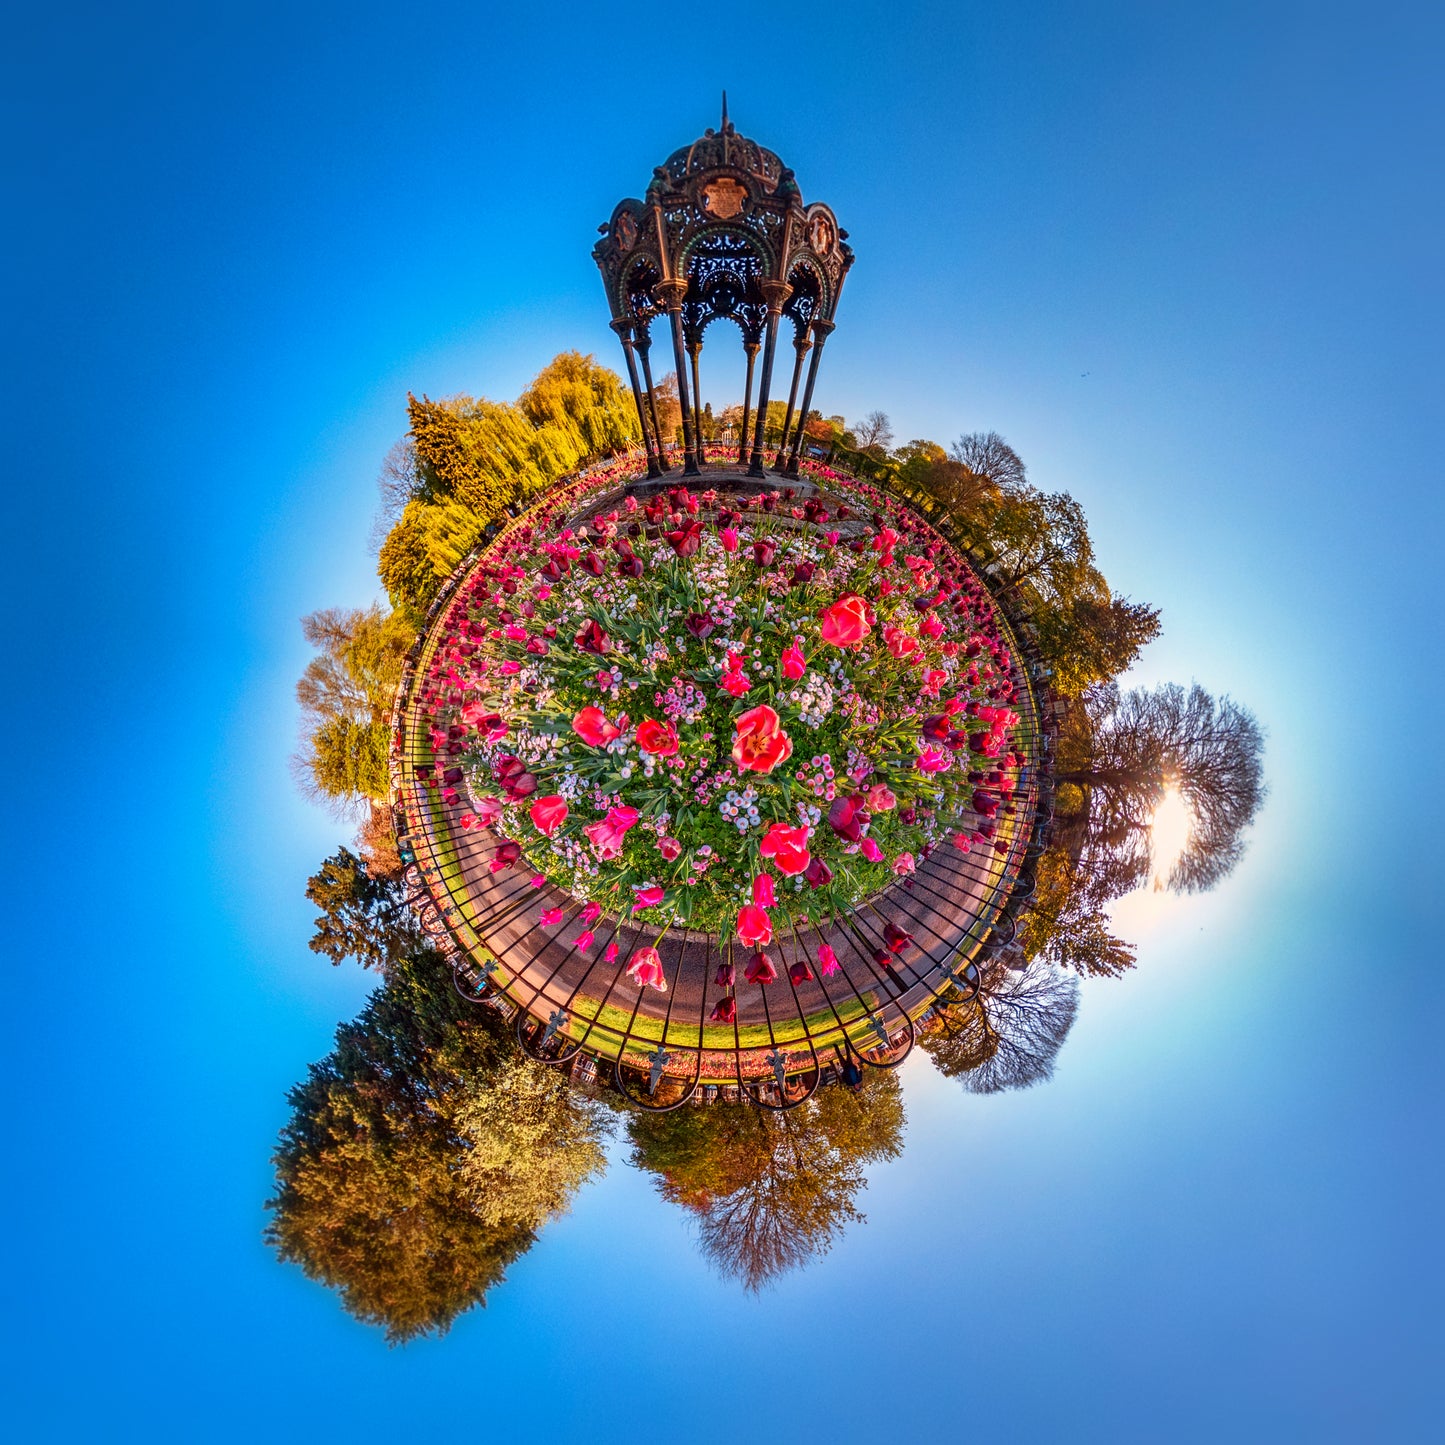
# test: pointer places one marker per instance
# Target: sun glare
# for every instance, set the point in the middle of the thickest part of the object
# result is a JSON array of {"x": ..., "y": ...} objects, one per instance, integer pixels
[{"x": 1168, "y": 835}]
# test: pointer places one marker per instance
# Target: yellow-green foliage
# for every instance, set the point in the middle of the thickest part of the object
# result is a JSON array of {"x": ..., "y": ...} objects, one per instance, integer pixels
[
  {"x": 479, "y": 453},
  {"x": 585, "y": 402},
  {"x": 405, "y": 564},
  {"x": 479, "y": 460}
]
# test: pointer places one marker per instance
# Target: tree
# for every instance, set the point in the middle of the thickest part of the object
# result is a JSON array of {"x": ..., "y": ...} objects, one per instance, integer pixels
[
  {"x": 1043, "y": 539},
  {"x": 345, "y": 694},
  {"x": 586, "y": 402},
  {"x": 1146, "y": 742},
  {"x": 534, "y": 1143},
  {"x": 398, "y": 482},
  {"x": 373, "y": 1197},
  {"x": 1087, "y": 640},
  {"x": 361, "y": 917},
  {"x": 771, "y": 1190},
  {"x": 988, "y": 455},
  {"x": 404, "y": 563},
  {"x": 927, "y": 466},
  {"x": 1067, "y": 923},
  {"x": 874, "y": 432},
  {"x": 368, "y": 1199},
  {"x": 1009, "y": 1036}
]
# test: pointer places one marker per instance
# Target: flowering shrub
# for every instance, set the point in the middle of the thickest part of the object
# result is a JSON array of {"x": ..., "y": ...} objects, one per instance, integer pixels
[{"x": 727, "y": 711}]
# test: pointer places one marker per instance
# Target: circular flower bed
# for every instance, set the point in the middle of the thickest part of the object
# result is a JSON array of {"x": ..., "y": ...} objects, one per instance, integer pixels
[{"x": 723, "y": 711}]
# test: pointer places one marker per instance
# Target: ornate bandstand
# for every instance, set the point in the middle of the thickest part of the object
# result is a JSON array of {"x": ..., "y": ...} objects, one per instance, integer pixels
[{"x": 722, "y": 235}]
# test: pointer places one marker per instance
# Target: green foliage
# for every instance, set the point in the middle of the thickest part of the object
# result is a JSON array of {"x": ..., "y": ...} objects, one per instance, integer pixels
[
  {"x": 1087, "y": 640},
  {"x": 586, "y": 408},
  {"x": 361, "y": 917}
]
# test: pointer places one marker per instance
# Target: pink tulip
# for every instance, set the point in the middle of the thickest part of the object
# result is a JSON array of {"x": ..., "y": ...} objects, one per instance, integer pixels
[
  {"x": 827, "y": 959},
  {"x": 607, "y": 834},
  {"x": 646, "y": 967},
  {"x": 763, "y": 893},
  {"x": 585, "y": 940},
  {"x": 648, "y": 897},
  {"x": 591, "y": 912},
  {"x": 549, "y": 916},
  {"x": 728, "y": 536},
  {"x": 754, "y": 925},
  {"x": 871, "y": 851},
  {"x": 794, "y": 663}
]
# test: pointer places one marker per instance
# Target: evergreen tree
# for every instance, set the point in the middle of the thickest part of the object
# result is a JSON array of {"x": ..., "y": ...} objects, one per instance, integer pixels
[{"x": 361, "y": 917}]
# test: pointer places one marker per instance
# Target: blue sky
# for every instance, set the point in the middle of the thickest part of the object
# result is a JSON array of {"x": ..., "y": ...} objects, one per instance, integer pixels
[{"x": 1185, "y": 258}]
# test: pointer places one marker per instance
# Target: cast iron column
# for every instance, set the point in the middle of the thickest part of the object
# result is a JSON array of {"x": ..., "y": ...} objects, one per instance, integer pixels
[
  {"x": 644, "y": 346},
  {"x": 669, "y": 294},
  {"x": 802, "y": 346},
  {"x": 624, "y": 332},
  {"x": 775, "y": 293},
  {"x": 751, "y": 347},
  {"x": 821, "y": 329}
]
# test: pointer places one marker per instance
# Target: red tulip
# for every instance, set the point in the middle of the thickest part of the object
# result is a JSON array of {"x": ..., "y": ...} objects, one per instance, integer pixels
[
  {"x": 548, "y": 814},
  {"x": 646, "y": 967},
  {"x": 760, "y": 744},
  {"x": 760, "y": 969},
  {"x": 734, "y": 682},
  {"x": 763, "y": 893},
  {"x": 593, "y": 639},
  {"x": 592, "y": 727},
  {"x": 648, "y": 897},
  {"x": 656, "y": 737},
  {"x": 800, "y": 972},
  {"x": 787, "y": 847},
  {"x": 725, "y": 1011},
  {"x": 754, "y": 925},
  {"x": 818, "y": 874},
  {"x": 846, "y": 818},
  {"x": 607, "y": 834},
  {"x": 845, "y": 623}
]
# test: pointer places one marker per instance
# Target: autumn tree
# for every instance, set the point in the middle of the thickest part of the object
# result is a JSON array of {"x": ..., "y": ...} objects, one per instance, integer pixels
[
  {"x": 1148, "y": 741},
  {"x": 1089, "y": 640},
  {"x": 533, "y": 1143},
  {"x": 345, "y": 695},
  {"x": 1067, "y": 922},
  {"x": 373, "y": 1197},
  {"x": 771, "y": 1190},
  {"x": 586, "y": 403}
]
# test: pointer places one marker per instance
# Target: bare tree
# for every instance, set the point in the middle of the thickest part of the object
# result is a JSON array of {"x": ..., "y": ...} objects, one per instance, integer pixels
[
  {"x": 398, "y": 482},
  {"x": 1144, "y": 743},
  {"x": 989, "y": 456},
  {"x": 874, "y": 432},
  {"x": 1009, "y": 1036}
]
